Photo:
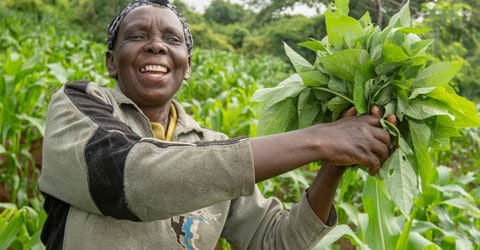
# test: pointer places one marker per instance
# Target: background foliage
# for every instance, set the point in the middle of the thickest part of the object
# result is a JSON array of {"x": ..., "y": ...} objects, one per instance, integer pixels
[{"x": 41, "y": 48}]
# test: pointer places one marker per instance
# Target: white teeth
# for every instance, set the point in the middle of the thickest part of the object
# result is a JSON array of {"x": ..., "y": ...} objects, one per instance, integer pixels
[{"x": 153, "y": 68}]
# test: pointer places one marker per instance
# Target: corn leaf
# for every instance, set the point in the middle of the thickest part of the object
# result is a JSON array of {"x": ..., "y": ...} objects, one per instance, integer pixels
[
  {"x": 380, "y": 210},
  {"x": 11, "y": 222},
  {"x": 339, "y": 232}
]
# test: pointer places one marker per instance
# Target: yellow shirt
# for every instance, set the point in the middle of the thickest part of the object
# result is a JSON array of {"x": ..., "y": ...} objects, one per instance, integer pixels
[{"x": 159, "y": 130}]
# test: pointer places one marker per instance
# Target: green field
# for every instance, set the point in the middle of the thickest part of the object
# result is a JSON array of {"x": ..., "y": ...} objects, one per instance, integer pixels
[{"x": 39, "y": 53}]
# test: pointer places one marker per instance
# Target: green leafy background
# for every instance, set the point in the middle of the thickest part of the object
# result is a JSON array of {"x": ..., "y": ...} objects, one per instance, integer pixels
[{"x": 41, "y": 48}]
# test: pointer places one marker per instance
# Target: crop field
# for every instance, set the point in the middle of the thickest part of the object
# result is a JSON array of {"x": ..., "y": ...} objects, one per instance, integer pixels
[{"x": 38, "y": 55}]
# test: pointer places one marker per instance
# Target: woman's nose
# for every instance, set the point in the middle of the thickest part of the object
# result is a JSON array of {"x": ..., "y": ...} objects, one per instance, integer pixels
[{"x": 156, "y": 46}]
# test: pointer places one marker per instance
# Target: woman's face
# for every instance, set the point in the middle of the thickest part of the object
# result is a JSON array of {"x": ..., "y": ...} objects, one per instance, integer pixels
[{"x": 150, "y": 58}]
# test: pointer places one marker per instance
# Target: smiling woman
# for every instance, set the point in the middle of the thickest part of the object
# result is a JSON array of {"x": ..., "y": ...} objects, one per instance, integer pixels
[
  {"x": 127, "y": 168},
  {"x": 150, "y": 59}
]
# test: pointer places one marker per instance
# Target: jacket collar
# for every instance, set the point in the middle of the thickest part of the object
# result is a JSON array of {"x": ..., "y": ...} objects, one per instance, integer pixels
[{"x": 185, "y": 123}]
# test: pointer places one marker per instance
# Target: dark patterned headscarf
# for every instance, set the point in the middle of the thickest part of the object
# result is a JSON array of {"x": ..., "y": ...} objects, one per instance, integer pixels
[{"x": 113, "y": 27}]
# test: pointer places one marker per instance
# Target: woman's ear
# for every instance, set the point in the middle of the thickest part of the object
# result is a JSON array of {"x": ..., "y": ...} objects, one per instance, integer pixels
[
  {"x": 110, "y": 61},
  {"x": 187, "y": 72}
]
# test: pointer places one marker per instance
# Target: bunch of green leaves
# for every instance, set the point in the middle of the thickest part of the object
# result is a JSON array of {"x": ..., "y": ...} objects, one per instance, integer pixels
[{"x": 358, "y": 64}]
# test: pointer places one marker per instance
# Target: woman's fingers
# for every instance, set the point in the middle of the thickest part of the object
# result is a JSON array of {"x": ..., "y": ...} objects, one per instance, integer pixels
[
  {"x": 377, "y": 111},
  {"x": 349, "y": 112},
  {"x": 372, "y": 151},
  {"x": 392, "y": 118}
]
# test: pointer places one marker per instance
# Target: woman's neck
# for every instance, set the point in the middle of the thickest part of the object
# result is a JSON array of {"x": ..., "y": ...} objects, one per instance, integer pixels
[{"x": 158, "y": 114}]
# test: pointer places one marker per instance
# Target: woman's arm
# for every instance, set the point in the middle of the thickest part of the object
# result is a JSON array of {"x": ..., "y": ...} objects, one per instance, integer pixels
[{"x": 348, "y": 141}]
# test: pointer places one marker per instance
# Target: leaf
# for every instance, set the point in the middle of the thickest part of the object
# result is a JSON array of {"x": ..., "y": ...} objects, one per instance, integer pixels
[
  {"x": 313, "y": 45},
  {"x": 444, "y": 129},
  {"x": 462, "y": 203},
  {"x": 36, "y": 122},
  {"x": 59, "y": 72},
  {"x": 381, "y": 222},
  {"x": 277, "y": 117},
  {"x": 365, "y": 20},
  {"x": 392, "y": 53},
  {"x": 314, "y": 78},
  {"x": 343, "y": 31},
  {"x": 424, "y": 109},
  {"x": 402, "y": 104},
  {"x": 344, "y": 64},
  {"x": 299, "y": 63},
  {"x": 337, "y": 233},
  {"x": 451, "y": 188},
  {"x": 14, "y": 220},
  {"x": 436, "y": 75},
  {"x": 342, "y": 6},
  {"x": 421, "y": 134},
  {"x": 401, "y": 18},
  {"x": 418, "y": 48},
  {"x": 337, "y": 105},
  {"x": 362, "y": 75},
  {"x": 307, "y": 109},
  {"x": 464, "y": 112},
  {"x": 322, "y": 95},
  {"x": 418, "y": 241},
  {"x": 359, "y": 219},
  {"x": 414, "y": 30},
  {"x": 401, "y": 180},
  {"x": 290, "y": 87},
  {"x": 338, "y": 86}
]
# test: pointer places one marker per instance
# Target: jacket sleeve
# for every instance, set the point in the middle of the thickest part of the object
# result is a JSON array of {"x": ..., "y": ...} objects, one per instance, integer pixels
[
  {"x": 258, "y": 223},
  {"x": 94, "y": 161}
]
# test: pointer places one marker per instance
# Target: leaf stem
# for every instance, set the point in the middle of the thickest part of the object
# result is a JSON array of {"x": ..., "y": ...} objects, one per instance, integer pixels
[
  {"x": 335, "y": 93},
  {"x": 379, "y": 90},
  {"x": 392, "y": 129}
]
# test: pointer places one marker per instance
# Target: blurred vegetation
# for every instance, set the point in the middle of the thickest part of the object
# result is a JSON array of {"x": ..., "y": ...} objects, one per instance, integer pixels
[
  {"x": 45, "y": 43},
  {"x": 237, "y": 28}
]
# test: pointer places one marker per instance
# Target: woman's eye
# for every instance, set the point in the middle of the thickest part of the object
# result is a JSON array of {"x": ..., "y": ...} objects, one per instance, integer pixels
[
  {"x": 137, "y": 36},
  {"x": 173, "y": 39}
]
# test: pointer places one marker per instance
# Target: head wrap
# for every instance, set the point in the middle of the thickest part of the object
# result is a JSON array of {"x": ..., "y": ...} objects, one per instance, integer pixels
[{"x": 113, "y": 27}]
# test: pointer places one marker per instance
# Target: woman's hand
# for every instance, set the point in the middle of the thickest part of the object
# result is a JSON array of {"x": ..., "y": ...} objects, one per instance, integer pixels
[
  {"x": 378, "y": 113},
  {"x": 352, "y": 140}
]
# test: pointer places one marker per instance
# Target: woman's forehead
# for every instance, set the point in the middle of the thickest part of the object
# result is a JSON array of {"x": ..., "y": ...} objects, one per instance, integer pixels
[{"x": 152, "y": 15}]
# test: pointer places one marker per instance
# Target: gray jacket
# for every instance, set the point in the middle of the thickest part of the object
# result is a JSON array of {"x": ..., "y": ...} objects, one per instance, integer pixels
[{"x": 109, "y": 184}]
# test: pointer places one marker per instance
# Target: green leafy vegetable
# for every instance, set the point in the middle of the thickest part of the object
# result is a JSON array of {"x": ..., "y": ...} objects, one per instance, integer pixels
[{"x": 358, "y": 64}]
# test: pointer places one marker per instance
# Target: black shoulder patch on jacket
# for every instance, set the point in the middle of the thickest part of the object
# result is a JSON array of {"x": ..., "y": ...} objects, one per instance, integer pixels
[{"x": 105, "y": 152}]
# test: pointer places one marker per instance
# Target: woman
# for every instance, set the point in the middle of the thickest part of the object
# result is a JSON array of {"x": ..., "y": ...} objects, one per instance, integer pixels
[{"x": 126, "y": 168}]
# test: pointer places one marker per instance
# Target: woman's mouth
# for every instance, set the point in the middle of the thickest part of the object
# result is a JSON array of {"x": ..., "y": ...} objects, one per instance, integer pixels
[{"x": 153, "y": 69}]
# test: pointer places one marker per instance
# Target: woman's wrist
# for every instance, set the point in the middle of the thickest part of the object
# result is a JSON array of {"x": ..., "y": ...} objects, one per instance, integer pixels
[{"x": 331, "y": 169}]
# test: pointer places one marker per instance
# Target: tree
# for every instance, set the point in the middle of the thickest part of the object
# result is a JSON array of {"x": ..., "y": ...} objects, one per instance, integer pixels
[
  {"x": 455, "y": 27},
  {"x": 381, "y": 10},
  {"x": 224, "y": 13}
]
